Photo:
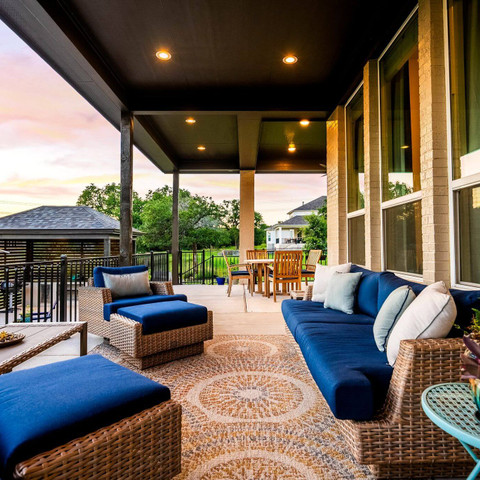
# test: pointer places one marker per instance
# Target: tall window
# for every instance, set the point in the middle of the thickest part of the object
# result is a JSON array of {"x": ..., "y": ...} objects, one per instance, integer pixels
[
  {"x": 355, "y": 178},
  {"x": 464, "y": 49},
  {"x": 400, "y": 115},
  {"x": 400, "y": 150}
]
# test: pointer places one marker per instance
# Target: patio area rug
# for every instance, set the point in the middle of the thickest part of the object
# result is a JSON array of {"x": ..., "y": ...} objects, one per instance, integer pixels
[{"x": 251, "y": 411}]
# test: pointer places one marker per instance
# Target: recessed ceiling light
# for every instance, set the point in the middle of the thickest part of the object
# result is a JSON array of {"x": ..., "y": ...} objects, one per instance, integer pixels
[
  {"x": 291, "y": 147},
  {"x": 404, "y": 147},
  {"x": 305, "y": 123},
  {"x": 290, "y": 59},
  {"x": 201, "y": 148},
  {"x": 190, "y": 120},
  {"x": 163, "y": 55}
]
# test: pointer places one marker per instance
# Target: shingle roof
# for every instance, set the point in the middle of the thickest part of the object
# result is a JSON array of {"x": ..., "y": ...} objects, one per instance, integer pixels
[
  {"x": 60, "y": 218},
  {"x": 313, "y": 205},
  {"x": 297, "y": 221}
]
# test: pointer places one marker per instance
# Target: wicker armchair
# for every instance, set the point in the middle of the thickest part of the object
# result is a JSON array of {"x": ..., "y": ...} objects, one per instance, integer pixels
[
  {"x": 401, "y": 441},
  {"x": 92, "y": 299}
]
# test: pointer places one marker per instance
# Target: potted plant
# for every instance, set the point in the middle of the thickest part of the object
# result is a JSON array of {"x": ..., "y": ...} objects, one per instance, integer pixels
[
  {"x": 471, "y": 358},
  {"x": 220, "y": 280}
]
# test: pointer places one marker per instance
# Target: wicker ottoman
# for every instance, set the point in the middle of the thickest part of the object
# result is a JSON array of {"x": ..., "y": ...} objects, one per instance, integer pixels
[
  {"x": 87, "y": 418},
  {"x": 149, "y": 335}
]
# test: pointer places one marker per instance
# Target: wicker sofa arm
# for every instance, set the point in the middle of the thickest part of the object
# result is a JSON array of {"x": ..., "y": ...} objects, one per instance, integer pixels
[
  {"x": 162, "y": 288},
  {"x": 95, "y": 295},
  {"x": 308, "y": 293}
]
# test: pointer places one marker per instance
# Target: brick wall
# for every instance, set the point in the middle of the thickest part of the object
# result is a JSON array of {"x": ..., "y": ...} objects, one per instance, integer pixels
[
  {"x": 336, "y": 188},
  {"x": 373, "y": 232},
  {"x": 433, "y": 142}
]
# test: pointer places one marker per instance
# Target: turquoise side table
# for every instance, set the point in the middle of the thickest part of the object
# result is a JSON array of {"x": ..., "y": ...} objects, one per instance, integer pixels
[{"x": 450, "y": 406}]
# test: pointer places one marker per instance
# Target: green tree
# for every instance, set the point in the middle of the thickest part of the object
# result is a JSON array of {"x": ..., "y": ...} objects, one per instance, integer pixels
[
  {"x": 398, "y": 189},
  {"x": 315, "y": 234},
  {"x": 107, "y": 200}
]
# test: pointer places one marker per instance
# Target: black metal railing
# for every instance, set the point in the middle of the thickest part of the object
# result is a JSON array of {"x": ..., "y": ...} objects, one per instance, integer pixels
[{"x": 48, "y": 291}]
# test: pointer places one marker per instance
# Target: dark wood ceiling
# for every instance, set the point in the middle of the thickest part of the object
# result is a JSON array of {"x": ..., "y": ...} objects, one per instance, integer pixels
[{"x": 226, "y": 60}]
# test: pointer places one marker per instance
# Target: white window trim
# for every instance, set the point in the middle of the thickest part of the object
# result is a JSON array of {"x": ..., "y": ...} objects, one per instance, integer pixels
[
  {"x": 465, "y": 182},
  {"x": 356, "y": 213},
  {"x": 395, "y": 202}
]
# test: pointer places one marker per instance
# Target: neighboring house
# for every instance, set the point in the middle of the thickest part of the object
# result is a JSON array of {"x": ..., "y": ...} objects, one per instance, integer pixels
[{"x": 288, "y": 234}]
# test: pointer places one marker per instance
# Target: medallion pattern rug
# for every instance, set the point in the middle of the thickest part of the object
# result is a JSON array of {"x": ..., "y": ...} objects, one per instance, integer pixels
[{"x": 251, "y": 411}]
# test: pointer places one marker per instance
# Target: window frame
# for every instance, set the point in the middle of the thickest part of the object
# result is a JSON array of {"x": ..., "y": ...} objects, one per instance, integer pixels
[
  {"x": 405, "y": 199},
  {"x": 360, "y": 211},
  {"x": 454, "y": 185}
]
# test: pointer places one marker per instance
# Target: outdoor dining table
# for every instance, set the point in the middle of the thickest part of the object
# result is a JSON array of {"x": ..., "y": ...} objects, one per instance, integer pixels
[{"x": 262, "y": 266}]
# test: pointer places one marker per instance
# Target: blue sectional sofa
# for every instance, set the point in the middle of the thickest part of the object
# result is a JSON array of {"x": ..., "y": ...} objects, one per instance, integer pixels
[
  {"x": 96, "y": 303},
  {"x": 378, "y": 407}
]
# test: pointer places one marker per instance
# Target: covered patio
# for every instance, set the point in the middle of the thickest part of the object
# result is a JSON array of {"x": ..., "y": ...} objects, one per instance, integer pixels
[{"x": 382, "y": 98}]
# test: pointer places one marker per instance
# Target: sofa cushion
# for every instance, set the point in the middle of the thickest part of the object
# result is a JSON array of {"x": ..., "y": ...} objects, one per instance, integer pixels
[
  {"x": 113, "y": 307},
  {"x": 86, "y": 393},
  {"x": 350, "y": 371},
  {"x": 98, "y": 280},
  {"x": 296, "y": 313},
  {"x": 367, "y": 291},
  {"x": 128, "y": 285},
  {"x": 341, "y": 291},
  {"x": 323, "y": 274},
  {"x": 160, "y": 317},
  {"x": 465, "y": 300}
]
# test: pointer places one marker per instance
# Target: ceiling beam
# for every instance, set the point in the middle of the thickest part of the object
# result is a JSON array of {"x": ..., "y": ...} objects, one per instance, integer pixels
[
  {"x": 209, "y": 166},
  {"x": 290, "y": 165},
  {"x": 248, "y": 138}
]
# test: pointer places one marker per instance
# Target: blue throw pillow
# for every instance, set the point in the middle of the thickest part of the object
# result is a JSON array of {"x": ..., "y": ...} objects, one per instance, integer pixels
[
  {"x": 341, "y": 291},
  {"x": 392, "y": 309}
]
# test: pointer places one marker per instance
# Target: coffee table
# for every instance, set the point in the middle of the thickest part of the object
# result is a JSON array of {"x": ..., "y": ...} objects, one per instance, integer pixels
[{"x": 38, "y": 337}]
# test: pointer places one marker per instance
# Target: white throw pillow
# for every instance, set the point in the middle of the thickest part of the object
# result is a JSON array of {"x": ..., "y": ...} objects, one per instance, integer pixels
[
  {"x": 435, "y": 287},
  {"x": 322, "y": 277},
  {"x": 128, "y": 284},
  {"x": 431, "y": 315}
]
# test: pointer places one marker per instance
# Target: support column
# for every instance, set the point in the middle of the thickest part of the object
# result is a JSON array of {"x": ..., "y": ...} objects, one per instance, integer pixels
[
  {"x": 175, "y": 223},
  {"x": 373, "y": 212},
  {"x": 106, "y": 247},
  {"x": 126, "y": 181},
  {"x": 336, "y": 188},
  {"x": 247, "y": 212},
  {"x": 433, "y": 142}
]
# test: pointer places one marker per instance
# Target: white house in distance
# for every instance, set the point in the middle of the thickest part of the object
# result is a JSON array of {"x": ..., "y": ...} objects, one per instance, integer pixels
[{"x": 288, "y": 234}]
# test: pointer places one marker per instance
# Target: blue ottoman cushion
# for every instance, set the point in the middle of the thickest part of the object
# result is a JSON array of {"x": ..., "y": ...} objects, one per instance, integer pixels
[
  {"x": 160, "y": 317},
  {"x": 113, "y": 307},
  {"x": 44, "y": 407},
  {"x": 98, "y": 272}
]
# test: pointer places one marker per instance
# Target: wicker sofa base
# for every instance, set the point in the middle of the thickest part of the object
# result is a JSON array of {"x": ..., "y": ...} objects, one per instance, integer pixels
[
  {"x": 148, "y": 350},
  {"x": 164, "y": 357},
  {"x": 145, "y": 445},
  {"x": 401, "y": 441}
]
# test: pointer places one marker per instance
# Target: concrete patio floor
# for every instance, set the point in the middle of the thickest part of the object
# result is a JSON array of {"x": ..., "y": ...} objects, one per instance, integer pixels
[{"x": 239, "y": 314}]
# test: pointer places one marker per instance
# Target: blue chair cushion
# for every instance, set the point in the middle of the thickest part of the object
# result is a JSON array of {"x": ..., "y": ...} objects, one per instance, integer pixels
[
  {"x": 367, "y": 291},
  {"x": 350, "y": 371},
  {"x": 236, "y": 273},
  {"x": 308, "y": 272},
  {"x": 99, "y": 271},
  {"x": 44, "y": 407},
  {"x": 160, "y": 317},
  {"x": 113, "y": 307},
  {"x": 297, "y": 312}
]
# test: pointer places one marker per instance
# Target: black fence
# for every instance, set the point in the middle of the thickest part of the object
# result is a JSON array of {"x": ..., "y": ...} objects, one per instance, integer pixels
[{"x": 48, "y": 291}]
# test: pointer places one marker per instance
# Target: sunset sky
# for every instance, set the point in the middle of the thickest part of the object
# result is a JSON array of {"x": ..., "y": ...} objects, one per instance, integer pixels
[{"x": 53, "y": 143}]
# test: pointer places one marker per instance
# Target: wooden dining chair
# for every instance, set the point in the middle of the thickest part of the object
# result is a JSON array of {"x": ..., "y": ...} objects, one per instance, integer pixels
[
  {"x": 286, "y": 271},
  {"x": 255, "y": 255},
  {"x": 233, "y": 273},
  {"x": 312, "y": 260}
]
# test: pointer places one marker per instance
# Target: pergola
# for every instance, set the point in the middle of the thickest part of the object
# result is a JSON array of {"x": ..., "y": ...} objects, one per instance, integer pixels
[{"x": 225, "y": 72}]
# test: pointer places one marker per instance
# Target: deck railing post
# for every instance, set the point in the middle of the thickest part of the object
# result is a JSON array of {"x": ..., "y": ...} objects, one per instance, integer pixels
[
  {"x": 62, "y": 303},
  {"x": 203, "y": 268},
  {"x": 152, "y": 265}
]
